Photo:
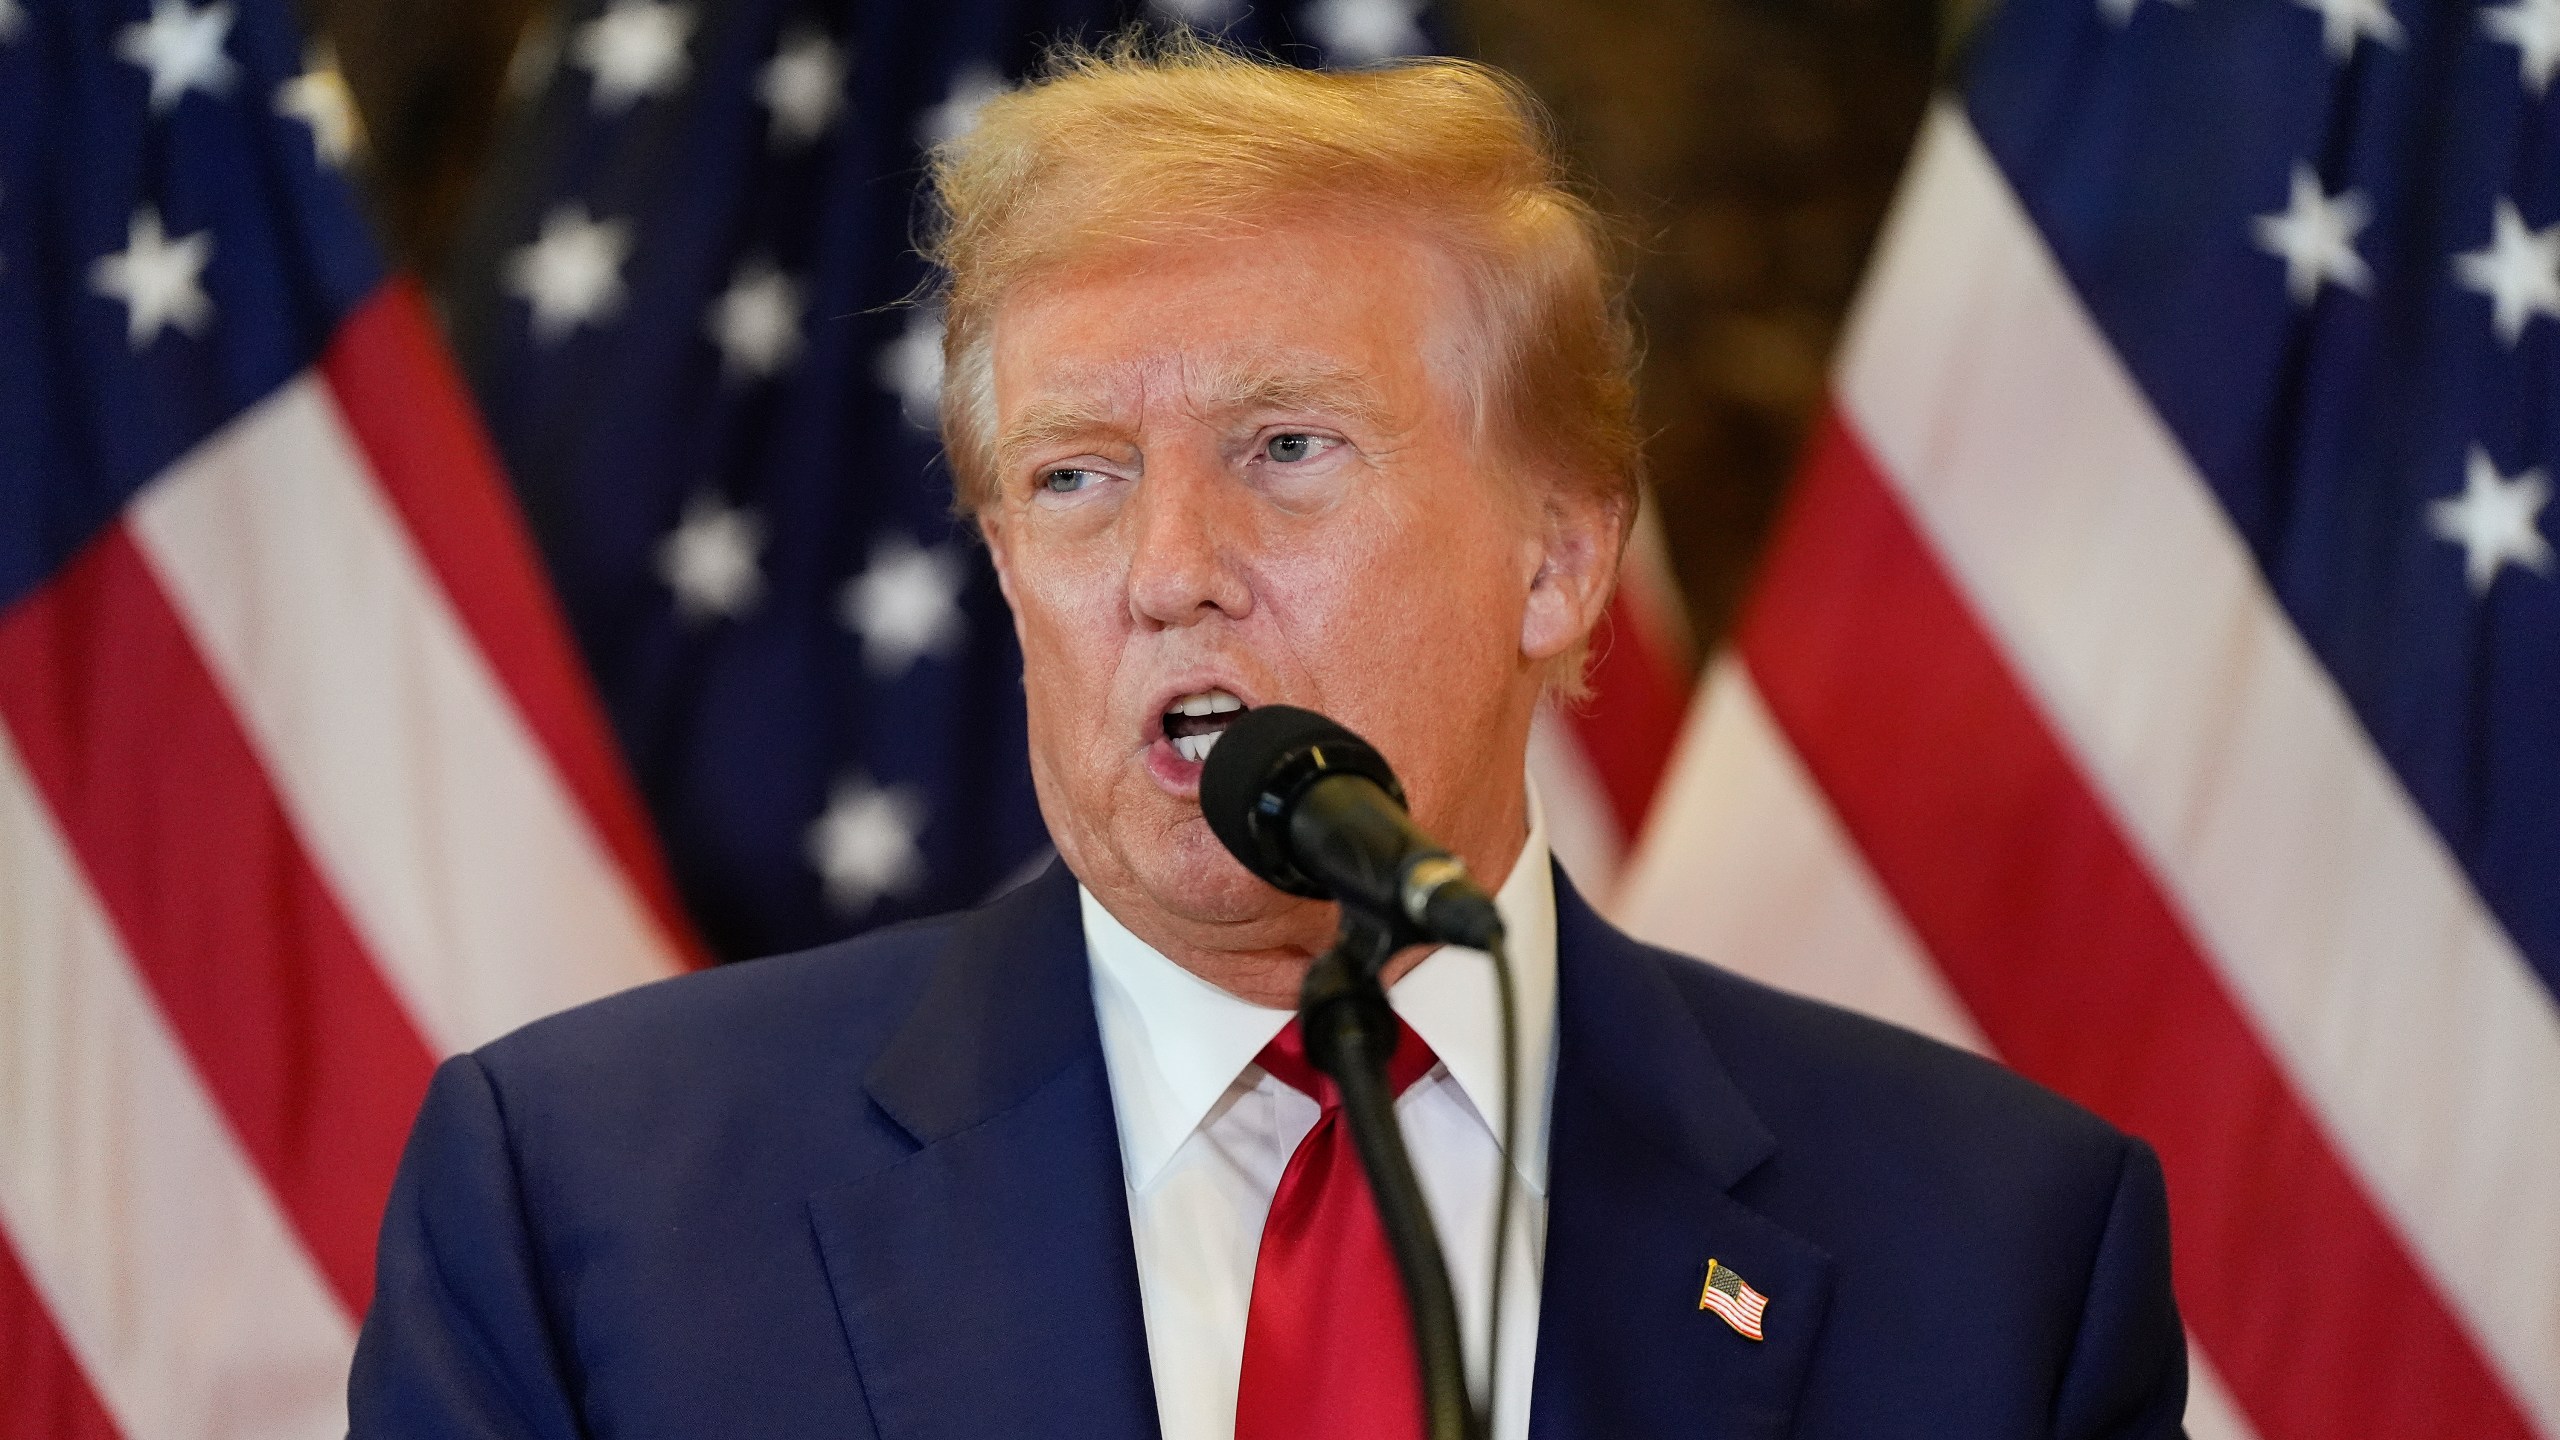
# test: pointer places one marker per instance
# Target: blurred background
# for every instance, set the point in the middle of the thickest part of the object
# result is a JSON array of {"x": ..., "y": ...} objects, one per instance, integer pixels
[
  {"x": 1750, "y": 145},
  {"x": 1748, "y": 150}
]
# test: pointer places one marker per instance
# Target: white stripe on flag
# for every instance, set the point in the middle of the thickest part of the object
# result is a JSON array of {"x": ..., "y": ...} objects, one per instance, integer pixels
[
  {"x": 1652, "y": 588},
  {"x": 154, "y": 1245},
  {"x": 473, "y": 878},
  {"x": 1582, "y": 830},
  {"x": 2211, "y": 1415},
  {"x": 1746, "y": 863},
  {"x": 2407, "y": 1021}
]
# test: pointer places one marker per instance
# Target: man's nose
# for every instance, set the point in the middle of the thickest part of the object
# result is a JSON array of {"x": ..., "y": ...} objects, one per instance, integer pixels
[{"x": 1183, "y": 559}]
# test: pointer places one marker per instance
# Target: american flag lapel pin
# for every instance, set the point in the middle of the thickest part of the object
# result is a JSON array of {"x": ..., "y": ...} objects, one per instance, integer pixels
[{"x": 1731, "y": 1297}]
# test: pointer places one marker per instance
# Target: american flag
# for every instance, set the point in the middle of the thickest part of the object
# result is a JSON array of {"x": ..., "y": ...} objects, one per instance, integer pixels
[
  {"x": 1732, "y": 1297},
  {"x": 2155, "y": 680},
  {"x": 301, "y": 784},
  {"x": 300, "y": 787},
  {"x": 688, "y": 321}
]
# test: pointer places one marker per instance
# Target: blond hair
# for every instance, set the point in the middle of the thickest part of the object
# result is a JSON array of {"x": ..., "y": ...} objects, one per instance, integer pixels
[{"x": 1145, "y": 140}]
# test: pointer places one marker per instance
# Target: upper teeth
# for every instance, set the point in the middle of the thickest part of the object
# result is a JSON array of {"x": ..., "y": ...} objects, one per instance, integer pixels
[{"x": 1196, "y": 747}]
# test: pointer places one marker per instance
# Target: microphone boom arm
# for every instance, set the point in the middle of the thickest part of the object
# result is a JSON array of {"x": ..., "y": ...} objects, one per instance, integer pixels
[
  {"x": 1316, "y": 811},
  {"x": 1351, "y": 1034}
]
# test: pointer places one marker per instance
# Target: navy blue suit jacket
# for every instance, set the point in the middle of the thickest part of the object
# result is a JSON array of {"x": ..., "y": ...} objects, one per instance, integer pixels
[{"x": 875, "y": 1191}]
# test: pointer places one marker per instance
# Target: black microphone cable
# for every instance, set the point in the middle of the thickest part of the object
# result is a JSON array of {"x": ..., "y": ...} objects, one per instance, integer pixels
[{"x": 1506, "y": 1176}]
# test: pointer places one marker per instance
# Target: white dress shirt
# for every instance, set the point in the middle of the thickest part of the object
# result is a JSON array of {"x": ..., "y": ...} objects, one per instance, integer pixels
[{"x": 1205, "y": 1134}]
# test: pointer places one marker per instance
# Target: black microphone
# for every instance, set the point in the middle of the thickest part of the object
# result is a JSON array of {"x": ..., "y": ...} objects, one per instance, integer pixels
[{"x": 1314, "y": 810}]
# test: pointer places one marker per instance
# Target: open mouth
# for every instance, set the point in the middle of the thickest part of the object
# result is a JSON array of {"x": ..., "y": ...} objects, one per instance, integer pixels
[{"x": 1193, "y": 723}]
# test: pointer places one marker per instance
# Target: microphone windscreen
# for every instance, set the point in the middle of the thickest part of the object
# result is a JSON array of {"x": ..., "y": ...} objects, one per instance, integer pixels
[
  {"x": 1256, "y": 772},
  {"x": 1244, "y": 761}
]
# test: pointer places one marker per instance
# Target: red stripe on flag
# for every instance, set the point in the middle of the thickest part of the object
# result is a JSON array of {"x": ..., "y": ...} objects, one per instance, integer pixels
[
  {"x": 1631, "y": 723},
  {"x": 2065, "y": 948},
  {"x": 43, "y": 1394},
  {"x": 425, "y": 446},
  {"x": 252, "y": 961}
]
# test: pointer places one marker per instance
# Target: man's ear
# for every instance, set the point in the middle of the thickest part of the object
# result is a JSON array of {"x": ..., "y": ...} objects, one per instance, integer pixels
[{"x": 1577, "y": 568}]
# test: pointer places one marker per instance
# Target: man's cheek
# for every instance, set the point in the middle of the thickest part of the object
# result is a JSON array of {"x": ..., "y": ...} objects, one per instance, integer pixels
[
  {"x": 1309, "y": 579},
  {"x": 1069, "y": 578}
]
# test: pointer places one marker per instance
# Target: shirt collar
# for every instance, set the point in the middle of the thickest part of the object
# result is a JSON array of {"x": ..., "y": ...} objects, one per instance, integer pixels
[{"x": 1175, "y": 1043}]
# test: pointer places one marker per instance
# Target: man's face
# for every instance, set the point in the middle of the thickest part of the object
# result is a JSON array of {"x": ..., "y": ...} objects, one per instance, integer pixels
[{"x": 1228, "y": 472}]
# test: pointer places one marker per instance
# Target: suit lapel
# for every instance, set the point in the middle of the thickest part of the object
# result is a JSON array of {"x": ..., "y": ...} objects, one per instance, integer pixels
[
  {"x": 1649, "y": 1136},
  {"x": 986, "y": 1283}
]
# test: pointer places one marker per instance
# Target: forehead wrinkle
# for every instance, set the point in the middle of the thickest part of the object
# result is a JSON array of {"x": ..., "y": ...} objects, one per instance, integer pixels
[{"x": 1224, "y": 388}]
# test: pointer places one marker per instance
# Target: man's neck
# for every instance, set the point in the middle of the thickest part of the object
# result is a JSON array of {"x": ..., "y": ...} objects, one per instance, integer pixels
[{"x": 1265, "y": 961}]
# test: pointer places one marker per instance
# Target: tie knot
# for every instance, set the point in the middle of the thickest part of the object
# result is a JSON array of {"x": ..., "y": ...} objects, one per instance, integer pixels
[{"x": 1286, "y": 1058}]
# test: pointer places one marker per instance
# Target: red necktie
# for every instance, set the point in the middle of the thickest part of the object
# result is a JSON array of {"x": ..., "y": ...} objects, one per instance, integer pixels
[{"x": 1328, "y": 1347}]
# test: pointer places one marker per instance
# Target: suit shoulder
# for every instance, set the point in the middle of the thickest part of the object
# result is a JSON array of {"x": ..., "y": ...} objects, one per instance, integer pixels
[
  {"x": 1902, "y": 1162},
  {"x": 843, "y": 998},
  {"x": 1827, "y": 1069}
]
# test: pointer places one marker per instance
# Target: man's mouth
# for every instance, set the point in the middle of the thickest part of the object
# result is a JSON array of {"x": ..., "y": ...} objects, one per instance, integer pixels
[{"x": 1193, "y": 723}]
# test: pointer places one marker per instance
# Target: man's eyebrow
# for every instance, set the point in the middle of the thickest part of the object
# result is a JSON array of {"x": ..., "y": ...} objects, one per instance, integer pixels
[
  {"x": 1049, "y": 421},
  {"x": 1304, "y": 386}
]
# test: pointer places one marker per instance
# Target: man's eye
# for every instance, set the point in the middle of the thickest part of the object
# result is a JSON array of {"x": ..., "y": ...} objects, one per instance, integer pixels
[
  {"x": 1066, "y": 482},
  {"x": 1290, "y": 449}
]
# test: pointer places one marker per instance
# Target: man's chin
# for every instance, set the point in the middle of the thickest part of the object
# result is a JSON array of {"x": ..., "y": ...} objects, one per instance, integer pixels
[
  {"x": 1170, "y": 880},
  {"x": 1196, "y": 884},
  {"x": 1209, "y": 889}
]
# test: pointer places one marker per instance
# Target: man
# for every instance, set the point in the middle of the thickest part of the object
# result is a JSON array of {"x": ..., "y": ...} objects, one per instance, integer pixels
[{"x": 1264, "y": 386}]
